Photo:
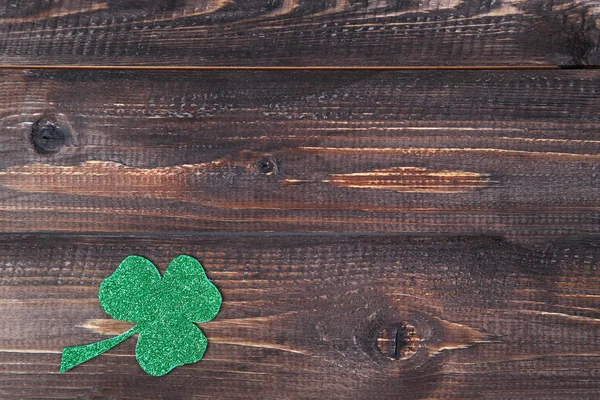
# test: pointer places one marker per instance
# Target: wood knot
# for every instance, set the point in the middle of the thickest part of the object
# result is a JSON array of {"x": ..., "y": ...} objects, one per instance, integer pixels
[
  {"x": 48, "y": 136},
  {"x": 398, "y": 342},
  {"x": 267, "y": 166}
]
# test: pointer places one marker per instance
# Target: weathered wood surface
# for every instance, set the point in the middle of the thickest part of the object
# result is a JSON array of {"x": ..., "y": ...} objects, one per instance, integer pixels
[
  {"x": 300, "y": 33},
  {"x": 512, "y": 153},
  {"x": 311, "y": 316}
]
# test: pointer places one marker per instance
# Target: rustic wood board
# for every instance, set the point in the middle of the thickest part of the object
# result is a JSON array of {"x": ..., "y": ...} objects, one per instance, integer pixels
[
  {"x": 300, "y": 33},
  {"x": 511, "y": 153},
  {"x": 310, "y": 317}
]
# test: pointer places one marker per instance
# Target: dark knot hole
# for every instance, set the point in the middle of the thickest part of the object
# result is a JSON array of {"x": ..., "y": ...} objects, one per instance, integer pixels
[
  {"x": 47, "y": 137},
  {"x": 266, "y": 166},
  {"x": 399, "y": 341}
]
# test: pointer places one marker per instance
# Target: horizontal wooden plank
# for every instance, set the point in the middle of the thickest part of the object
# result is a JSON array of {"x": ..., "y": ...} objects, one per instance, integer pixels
[
  {"x": 317, "y": 317},
  {"x": 511, "y": 153},
  {"x": 300, "y": 33}
]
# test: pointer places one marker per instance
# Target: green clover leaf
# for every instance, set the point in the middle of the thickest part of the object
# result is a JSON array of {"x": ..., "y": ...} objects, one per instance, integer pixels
[{"x": 164, "y": 310}]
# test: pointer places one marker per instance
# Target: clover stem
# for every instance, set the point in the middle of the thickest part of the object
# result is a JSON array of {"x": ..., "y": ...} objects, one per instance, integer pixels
[{"x": 73, "y": 356}]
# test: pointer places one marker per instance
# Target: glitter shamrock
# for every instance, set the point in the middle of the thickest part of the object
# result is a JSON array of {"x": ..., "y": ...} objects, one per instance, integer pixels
[{"x": 164, "y": 310}]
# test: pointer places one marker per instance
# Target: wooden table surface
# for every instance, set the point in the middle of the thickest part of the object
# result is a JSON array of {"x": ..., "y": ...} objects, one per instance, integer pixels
[{"x": 397, "y": 199}]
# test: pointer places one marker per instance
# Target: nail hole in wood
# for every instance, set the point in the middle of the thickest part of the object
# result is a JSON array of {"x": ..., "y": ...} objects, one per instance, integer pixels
[
  {"x": 398, "y": 342},
  {"x": 48, "y": 137}
]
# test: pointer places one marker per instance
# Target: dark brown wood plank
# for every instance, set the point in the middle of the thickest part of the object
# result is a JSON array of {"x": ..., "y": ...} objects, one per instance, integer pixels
[
  {"x": 511, "y": 153},
  {"x": 316, "y": 316},
  {"x": 300, "y": 32}
]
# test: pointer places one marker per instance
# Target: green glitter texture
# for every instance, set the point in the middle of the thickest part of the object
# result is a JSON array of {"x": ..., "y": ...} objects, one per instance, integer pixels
[{"x": 165, "y": 311}]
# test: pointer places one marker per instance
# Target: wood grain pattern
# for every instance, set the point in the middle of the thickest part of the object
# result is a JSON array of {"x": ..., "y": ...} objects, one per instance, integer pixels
[
  {"x": 512, "y": 153},
  {"x": 303, "y": 317},
  {"x": 300, "y": 32},
  {"x": 305, "y": 194},
  {"x": 408, "y": 179}
]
